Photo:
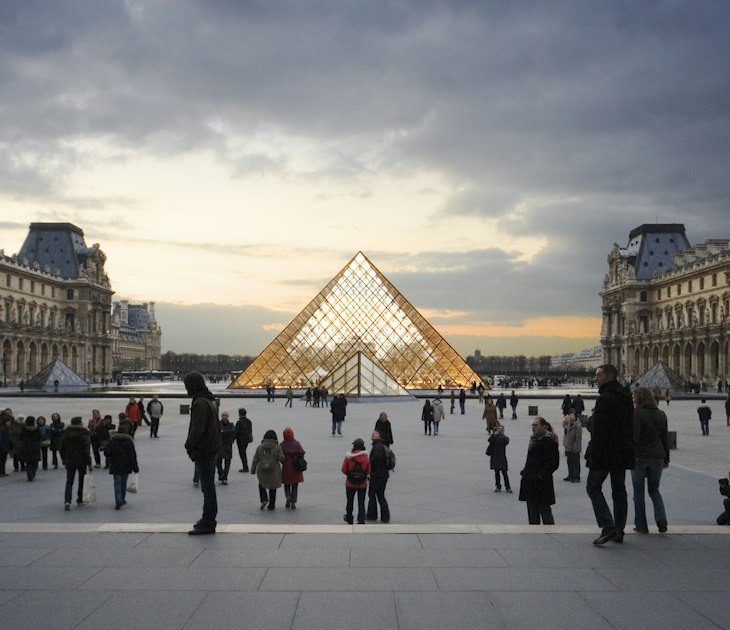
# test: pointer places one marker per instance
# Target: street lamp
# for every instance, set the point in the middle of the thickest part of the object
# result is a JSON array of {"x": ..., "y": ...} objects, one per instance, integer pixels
[{"x": 5, "y": 370}]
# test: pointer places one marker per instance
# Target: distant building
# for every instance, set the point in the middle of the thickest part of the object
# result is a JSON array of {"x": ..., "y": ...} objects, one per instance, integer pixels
[
  {"x": 587, "y": 359},
  {"x": 55, "y": 301},
  {"x": 666, "y": 300},
  {"x": 136, "y": 337}
]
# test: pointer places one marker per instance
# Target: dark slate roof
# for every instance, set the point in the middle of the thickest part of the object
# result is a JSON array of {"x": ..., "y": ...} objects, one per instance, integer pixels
[
  {"x": 59, "y": 246},
  {"x": 652, "y": 247}
]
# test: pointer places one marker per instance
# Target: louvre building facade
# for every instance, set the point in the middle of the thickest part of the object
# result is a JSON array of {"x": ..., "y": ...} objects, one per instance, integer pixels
[
  {"x": 55, "y": 302},
  {"x": 665, "y": 300}
]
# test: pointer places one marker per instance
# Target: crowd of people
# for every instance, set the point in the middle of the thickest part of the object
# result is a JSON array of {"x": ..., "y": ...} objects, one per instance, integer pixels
[{"x": 627, "y": 432}]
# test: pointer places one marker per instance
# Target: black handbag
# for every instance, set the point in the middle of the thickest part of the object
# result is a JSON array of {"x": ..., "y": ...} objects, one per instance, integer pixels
[{"x": 300, "y": 465}]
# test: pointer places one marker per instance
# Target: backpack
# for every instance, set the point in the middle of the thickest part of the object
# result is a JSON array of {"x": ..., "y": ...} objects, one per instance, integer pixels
[
  {"x": 266, "y": 459},
  {"x": 389, "y": 457},
  {"x": 356, "y": 474}
]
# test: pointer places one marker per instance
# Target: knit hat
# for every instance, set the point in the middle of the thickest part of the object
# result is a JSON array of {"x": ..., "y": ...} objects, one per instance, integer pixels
[{"x": 358, "y": 445}]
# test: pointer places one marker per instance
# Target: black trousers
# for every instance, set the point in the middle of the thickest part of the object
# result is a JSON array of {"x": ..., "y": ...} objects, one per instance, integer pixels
[
  {"x": 536, "y": 511},
  {"x": 70, "y": 475},
  {"x": 267, "y": 496},
  {"x": 242, "y": 446},
  {"x": 506, "y": 479},
  {"x": 351, "y": 492},
  {"x": 376, "y": 496}
]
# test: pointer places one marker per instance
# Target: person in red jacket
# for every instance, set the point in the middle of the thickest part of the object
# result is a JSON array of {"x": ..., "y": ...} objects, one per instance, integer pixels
[
  {"x": 356, "y": 467},
  {"x": 132, "y": 411}
]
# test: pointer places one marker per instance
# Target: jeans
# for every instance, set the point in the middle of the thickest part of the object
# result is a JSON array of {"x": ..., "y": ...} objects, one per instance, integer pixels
[
  {"x": 350, "y": 492},
  {"x": 504, "y": 476},
  {"x": 376, "y": 496},
  {"x": 606, "y": 521},
  {"x": 223, "y": 464},
  {"x": 436, "y": 424},
  {"x": 427, "y": 427},
  {"x": 337, "y": 425},
  {"x": 573, "y": 460},
  {"x": 154, "y": 427},
  {"x": 70, "y": 475},
  {"x": 651, "y": 470},
  {"x": 536, "y": 511},
  {"x": 205, "y": 471},
  {"x": 705, "y": 426},
  {"x": 462, "y": 407},
  {"x": 120, "y": 488}
]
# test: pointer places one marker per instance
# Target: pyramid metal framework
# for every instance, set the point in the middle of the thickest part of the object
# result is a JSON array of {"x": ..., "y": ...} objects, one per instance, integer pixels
[{"x": 358, "y": 311}]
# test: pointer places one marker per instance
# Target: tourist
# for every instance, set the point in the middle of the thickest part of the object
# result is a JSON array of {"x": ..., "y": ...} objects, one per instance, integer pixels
[
  {"x": 202, "y": 445},
  {"x": 536, "y": 487},
  {"x": 513, "y": 400},
  {"x": 30, "y": 447},
  {"x": 490, "y": 414},
  {"x": 453, "y": 401},
  {"x": 573, "y": 444},
  {"x": 315, "y": 396},
  {"x": 480, "y": 391},
  {"x": 727, "y": 409},
  {"x": 438, "y": 415},
  {"x": 497, "y": 451},
  {"x": 610, "y": 453},
  {"x": 384, "y": 428},
  {"x": 378, "y": 481},
  {"x": 76, "y": 457},
  {"x": 724, "y": 517},
  {"x": 56, "y": 431},
  {"x": 225, "y": 454},
  {"x": 462, "y": 400},
  {"x": 94, "y": 424},
  {"x": 132, "y": 411},
  {"x": 44, "y": 433},
  {"x": 155, "y": 408},
  {"x": 291, "y": 471},
  {"x": 566, "y": 404},
  {"x": 122, "y": 457},
  {"x": 5, "y": 443},
  {"x": 244, "y": 437},
  {"x": 289, "y": 393},
  {"x": 651, "y": 447},
  {"x": 106, "y": 430},
  {"x": 308, "y": 397},
  {"x": 143, "y": 412},
  {"x": 266, "y": 465},
  {"x": 501, "y": 405},
  {"x": 704, "y": 413},
  {"x": 579, "y": 407},
  {"x": 427, "y": 417},
  {"x": 16, "y": 431},
  {"x": 338, "y": 409},
  {"x": 356, "y": 467},
  {"x": 668, "y": 397},
  {"x": 323, "y": 393}
]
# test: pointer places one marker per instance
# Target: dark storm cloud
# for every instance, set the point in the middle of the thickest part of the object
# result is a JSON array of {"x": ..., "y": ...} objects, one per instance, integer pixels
[{"x": 571, "y": 121}]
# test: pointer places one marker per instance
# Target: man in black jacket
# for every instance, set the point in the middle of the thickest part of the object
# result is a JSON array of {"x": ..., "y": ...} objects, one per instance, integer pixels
[
  {"x": 202, "y": 445},
  {"x": 610, "y": 453},
  {"x": 378, "y": 480},
  {"x": 244, "y": 437}
]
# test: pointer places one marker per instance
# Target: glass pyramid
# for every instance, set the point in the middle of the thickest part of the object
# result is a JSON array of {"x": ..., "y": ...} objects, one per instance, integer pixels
[
  {"x": 359, "y": 376},
  {"x": 358, "y": 311}
]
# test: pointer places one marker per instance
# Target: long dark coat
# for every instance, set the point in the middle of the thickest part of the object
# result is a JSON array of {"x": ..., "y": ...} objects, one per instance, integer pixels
[
  {"x": 537, "y": 475},
  {"x": 612, "y": 429},
  {"x": 121, "y": 454},
  {"x": 30, "y": 445},
  {"x": 498, "y": 456}
]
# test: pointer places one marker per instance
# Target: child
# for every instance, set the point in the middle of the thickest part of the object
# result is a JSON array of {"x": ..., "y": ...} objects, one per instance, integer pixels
[{"x": 497, "y": 451}]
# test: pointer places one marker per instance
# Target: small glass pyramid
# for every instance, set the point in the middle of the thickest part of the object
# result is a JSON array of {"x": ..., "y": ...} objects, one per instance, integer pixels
[{"x": 358, "y": 311}]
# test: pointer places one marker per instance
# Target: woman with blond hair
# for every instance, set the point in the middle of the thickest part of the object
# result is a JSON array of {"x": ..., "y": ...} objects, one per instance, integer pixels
[{"x": 652, "y": 455}]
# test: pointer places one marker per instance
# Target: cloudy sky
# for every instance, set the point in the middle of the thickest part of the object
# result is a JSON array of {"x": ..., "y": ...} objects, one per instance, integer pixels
[{"x": 230, "y": 157}]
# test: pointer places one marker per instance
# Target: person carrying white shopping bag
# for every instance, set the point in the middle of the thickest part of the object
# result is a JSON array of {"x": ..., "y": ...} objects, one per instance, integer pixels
[{"x": 122, "y": 463}]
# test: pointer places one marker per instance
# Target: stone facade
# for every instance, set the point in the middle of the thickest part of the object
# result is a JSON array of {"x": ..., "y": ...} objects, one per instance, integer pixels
[
  {"x": 137, "y": 337},
  {"x": 55, "y": 301},
  {"x": 666, "y": 300}
]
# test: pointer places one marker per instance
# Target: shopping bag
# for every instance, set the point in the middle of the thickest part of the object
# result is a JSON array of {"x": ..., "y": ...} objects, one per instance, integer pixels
[
  {"x": 133, "y": 483},
  {"x": 88, "y": 492}
]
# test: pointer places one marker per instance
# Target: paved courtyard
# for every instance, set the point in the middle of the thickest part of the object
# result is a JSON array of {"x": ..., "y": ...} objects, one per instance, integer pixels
[{"x": 455, "y": 552}]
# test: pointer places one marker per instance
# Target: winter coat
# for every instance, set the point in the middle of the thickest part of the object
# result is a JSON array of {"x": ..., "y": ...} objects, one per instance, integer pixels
[
  {"x": 612, "y": 429},
  {"x": 498, "y": 455},
  {"x": 244, "y": 431},
  {"x": 704, "y": 412},
  {"x": 490, "y": 416},
  {"x": 501, "y": 402},
  {"x": 30, "y": 445},
  {"x": 537, "y": 475},
  {"x": 132, "y": 411},
  {"x": 228, "y": 435},
  {"x": 204, "y": 432},
  {"x": 292, "y": 450},
  {"x": 75, "y": 445},
  {"x": 56, "y": 431},
  {"x": 427, "y": 414},
  {"x": 386, "y": 431},
  {"x": 5, "y": 443},
  {"x": 650, "y": 434},
  {"x": 378, "y": 464},
  {"x": 338, "y": 408},
  {"x": 348, "y": 464},
  {"x": 567, "y": 404},
  {"x": 268, "y": 449},
  {"x": 578, "y": 405},
  {"x": 573, "y": 439},
  {"x": 438, "y": 410},
  {"x": 121, "y": 454},
  {"x": 155, "y": 408}
]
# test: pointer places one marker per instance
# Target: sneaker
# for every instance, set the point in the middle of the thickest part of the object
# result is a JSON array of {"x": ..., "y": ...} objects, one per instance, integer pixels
[
  {"x": 195, "y": 484},
  {"x": 498, "y": 489},
  {"x": 509, "y": 490},
  {"x": 347, "y": 519},
  {"x": 67, "y": 506},
  {"x": 224, "y": 482},
  {"x": 263, "y": 505}
]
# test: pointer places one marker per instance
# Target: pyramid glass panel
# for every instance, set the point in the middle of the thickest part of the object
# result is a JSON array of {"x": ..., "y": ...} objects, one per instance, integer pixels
[{"x": 359, "y": 311}]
